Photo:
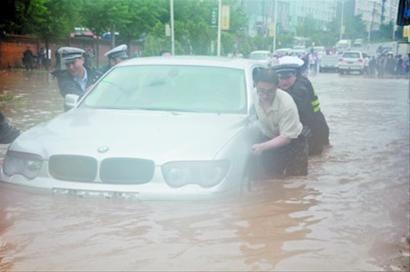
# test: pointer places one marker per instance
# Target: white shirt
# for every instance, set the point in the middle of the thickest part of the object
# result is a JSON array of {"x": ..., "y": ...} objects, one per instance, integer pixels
[{"x": 282, "y": 118}]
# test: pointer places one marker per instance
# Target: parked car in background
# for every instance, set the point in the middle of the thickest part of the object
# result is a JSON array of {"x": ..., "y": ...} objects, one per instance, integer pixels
[
  {"x": 343, "y": 45},
  {"x": 328, "y": 63},
  {"x": 357, "y": 43},
  {"x": 154, "y": 128},
  {"x": 351, "y": 61}
]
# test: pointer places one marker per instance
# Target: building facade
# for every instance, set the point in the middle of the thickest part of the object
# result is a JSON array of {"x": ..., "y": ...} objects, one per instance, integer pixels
[
  {"x": 374, "y": 13},
  {"x": 289, "y": 13},
  {"x": 323, "y": 11}
]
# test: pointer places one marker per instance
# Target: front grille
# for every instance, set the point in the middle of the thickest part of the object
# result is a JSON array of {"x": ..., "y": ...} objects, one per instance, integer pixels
[
  {"x": 126, "y": 171},
  {"x": 73, "y": 168}
]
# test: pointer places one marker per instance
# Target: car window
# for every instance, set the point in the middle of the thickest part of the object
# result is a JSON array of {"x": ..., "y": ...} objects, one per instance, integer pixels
[
  {"x": 352, "y": 55},
  {"x": 173, "y": 88}
]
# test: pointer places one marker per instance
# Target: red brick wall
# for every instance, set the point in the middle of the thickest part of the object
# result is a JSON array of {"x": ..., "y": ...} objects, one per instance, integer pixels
[
  {"x": 12, "y": 48},
  {"x": 11, "y": 52}
]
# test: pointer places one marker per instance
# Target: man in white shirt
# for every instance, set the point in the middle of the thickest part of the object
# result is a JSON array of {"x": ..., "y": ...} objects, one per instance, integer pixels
[{"x": 283, "y": 149}]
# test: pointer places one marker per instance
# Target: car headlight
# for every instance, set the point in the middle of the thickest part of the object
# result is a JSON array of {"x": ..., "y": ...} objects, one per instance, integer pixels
[
  {"x": 203, "y": 173},
  {"x": 21, "y": 163}
]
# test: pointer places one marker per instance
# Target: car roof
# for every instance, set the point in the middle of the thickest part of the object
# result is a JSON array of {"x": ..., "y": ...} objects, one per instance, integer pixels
[{"x": 192, "y": 61}]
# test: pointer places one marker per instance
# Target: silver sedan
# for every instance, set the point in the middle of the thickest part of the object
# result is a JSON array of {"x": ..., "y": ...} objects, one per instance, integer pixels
[{"x": 155, "y": 128}]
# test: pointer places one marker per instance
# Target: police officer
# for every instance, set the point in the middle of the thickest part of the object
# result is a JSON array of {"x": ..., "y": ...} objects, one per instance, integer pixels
[
  {"x": 115, "y": 56},
  {"x": 300, "y": 88},
  {"x": 76, "y": 78},
  {"x": 283, "y": 147}
]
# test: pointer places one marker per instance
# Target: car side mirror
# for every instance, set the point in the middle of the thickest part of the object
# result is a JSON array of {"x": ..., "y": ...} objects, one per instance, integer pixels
[{"x": 70, "y": 101}]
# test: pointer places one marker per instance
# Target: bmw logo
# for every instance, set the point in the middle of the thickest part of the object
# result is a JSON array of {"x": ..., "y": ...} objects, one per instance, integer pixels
[{"x": 103, "y": 149}]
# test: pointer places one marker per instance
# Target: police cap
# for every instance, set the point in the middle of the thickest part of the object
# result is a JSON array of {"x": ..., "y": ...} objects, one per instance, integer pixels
[
  {"x": 118, "y": 52},
  {"x": 288, "y": 65},
  {"x": 70, "y": 54}
]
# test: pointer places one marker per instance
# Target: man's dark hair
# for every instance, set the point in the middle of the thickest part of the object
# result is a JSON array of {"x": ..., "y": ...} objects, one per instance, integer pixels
[{"x": 266, "y": 75}]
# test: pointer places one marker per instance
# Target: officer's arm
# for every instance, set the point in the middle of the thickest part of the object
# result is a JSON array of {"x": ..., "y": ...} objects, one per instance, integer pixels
[{"x": 67, "y": 87}]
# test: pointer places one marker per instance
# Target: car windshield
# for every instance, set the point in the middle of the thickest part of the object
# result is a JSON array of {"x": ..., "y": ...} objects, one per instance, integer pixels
[
  {"x": 171, "y": 88},
  {"x": 352, "y": 55}
]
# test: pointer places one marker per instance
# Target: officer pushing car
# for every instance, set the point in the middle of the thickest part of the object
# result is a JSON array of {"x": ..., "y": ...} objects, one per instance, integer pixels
[
  {"x": 115, "y": 56},
  {"x": 76, "y": 78},
  {"x": 300, "y": 88}
]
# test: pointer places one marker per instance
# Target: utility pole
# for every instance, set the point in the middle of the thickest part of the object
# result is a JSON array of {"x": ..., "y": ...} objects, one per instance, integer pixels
[
  {"x": 383, "y": 11},
  {"x": 218, "y": 45},
  {"x": 371, "y": 23},
  {"x": 394, "y": 32},
  {"x": 112, "y": 36},
  {"x": 341, "y": 21},
  {"x": 275, "y": 21},
  {"x": 171, "y": 10}
]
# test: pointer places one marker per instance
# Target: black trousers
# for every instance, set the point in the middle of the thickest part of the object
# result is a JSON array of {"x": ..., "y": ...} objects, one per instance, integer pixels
[
  {"x": 319, "y": 134},
  {"x": 288, "y": 160}
]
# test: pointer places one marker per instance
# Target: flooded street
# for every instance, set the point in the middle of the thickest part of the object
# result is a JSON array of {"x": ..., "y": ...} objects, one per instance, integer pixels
[{"x": 350, "y": 213}]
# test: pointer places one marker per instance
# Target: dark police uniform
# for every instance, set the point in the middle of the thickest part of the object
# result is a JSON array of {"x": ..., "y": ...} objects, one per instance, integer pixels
[
  {"x": 68, "y": 85},
  {"x": 7, "y": 132},
  {"x": 119, "y": 52},
  {"x": 66, "y": 82},
  {"x": 310, "y": 114},
  {"x": 308, "y": 105}
]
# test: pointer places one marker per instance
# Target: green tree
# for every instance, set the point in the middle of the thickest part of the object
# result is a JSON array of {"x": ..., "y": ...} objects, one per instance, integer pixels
[
  {"x": 12, "y": 14},
  {"x": 192, "y": 26},
  {"x": 284, "y": 40},
  {"x": 105, "y": 15},
  {"x": 332, "y": 32},
  {"x": 53, "y": 19},
  {"x": 48, "y": 19},
  {"x": 355, "y": 28},
  {"x": 385, "y": 33},
  {"x": 142, "y": 17}
]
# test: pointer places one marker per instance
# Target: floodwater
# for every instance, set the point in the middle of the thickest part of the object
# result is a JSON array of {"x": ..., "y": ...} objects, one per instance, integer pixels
[{"x": 350, "y": 213}]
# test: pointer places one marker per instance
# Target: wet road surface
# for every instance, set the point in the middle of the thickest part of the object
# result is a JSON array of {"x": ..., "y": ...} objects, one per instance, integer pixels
[{"x": 350, "y": 213}]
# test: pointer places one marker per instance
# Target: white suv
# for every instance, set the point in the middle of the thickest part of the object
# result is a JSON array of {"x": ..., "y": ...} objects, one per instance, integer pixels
[{"x": 351, "y": 61}]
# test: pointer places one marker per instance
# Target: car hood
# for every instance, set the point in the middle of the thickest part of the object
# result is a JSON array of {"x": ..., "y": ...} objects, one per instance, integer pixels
[{"x": 156, "y": 135}]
